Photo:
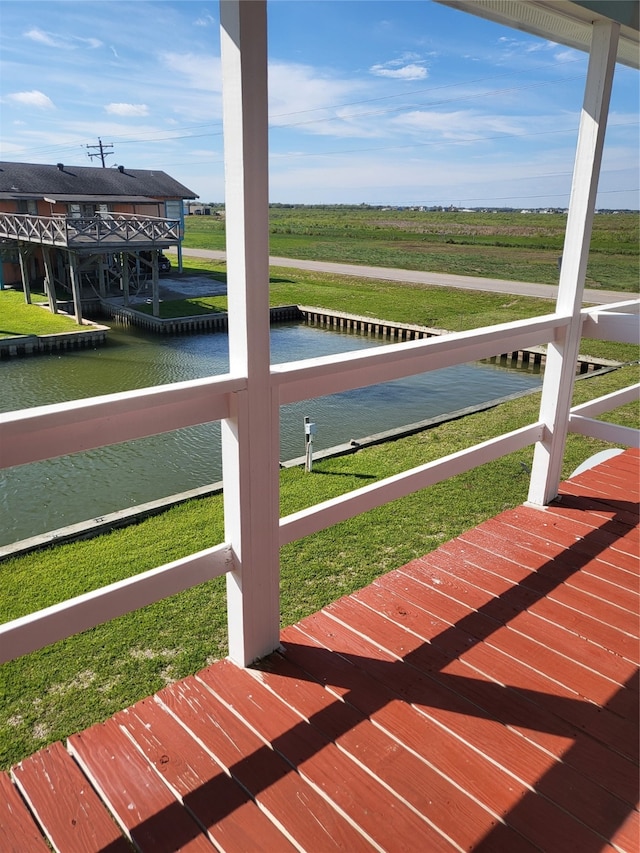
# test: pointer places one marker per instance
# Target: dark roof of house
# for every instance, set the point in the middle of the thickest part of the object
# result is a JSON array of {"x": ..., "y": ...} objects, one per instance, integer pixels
[{"x": 36, "y": 180}]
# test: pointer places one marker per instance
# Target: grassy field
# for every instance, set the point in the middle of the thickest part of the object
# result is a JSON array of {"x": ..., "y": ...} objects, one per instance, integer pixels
[
  {"x": 511, "y": 246},
  {"x": 19, "y": 318},
  {"x": 68, "y": 686}
]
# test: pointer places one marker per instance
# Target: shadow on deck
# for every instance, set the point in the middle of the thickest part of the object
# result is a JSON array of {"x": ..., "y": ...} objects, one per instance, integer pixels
[{"x": 483, "y": 697}]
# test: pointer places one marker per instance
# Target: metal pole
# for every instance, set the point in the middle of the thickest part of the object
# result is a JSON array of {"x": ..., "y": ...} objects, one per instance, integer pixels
[{"x": 309, "y": 432}]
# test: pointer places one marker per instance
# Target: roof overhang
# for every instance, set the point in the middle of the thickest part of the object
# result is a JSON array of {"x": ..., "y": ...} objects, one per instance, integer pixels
[
  {"x": 568, "y": 22},
  {"x": 77, "y": 198}
]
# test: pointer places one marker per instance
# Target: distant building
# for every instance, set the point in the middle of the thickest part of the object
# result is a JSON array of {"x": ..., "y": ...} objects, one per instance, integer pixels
[{"x": 83, "y": 226}]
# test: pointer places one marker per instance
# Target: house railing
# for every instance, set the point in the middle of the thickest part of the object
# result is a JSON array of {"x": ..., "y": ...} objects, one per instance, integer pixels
[
  {"x": 45, "y": 432},
  {"x": 112, "y": 232},
  {"x": 247, "y": 400}
]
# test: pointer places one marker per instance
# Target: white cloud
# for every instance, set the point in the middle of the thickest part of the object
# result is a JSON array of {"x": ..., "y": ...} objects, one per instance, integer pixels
[
  {"x": 205, "y": 20},
  {"x": 61, "y": 41},
  {"x": 201, "y": 71},
  {"x": 457, "y": 125},
  {"x": 43, "y": 38},
  {"x": 302, "y": 96},
  {"x": 127, "y": 109},
  {"x": 411, "y": 71},
  {"x": 32, "y": 99}
]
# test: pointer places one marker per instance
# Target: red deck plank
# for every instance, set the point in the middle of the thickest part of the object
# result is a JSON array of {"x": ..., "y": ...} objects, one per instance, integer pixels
[
  {"x": 218, "y": 803},
  {"x": 466, "y": 768},
  {"x": 143, "y": 805},
  {"x": 321, "y": 762},
  {"x": 447, "y": 711},
  {"x": 412, "y": 779},
  {"x": 528, "y": 527},
  {"x": 552, "y": 523},
  {"x": 68, "y": 809},
  {"x": 586, "y": 800},
  {"x": 483, "y": 697},
  {"x": 281, "y": 792},
  {"x": 18, "y": 832},
  {"x": 498, "y": 576}
]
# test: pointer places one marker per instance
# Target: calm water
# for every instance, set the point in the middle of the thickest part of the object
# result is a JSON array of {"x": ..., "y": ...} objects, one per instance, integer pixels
[{"x": 48, "y": 495}]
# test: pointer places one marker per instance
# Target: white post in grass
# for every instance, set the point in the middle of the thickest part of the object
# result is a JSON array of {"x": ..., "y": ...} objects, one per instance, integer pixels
[
  {"x": 562, "y": 353},
  {"x": 250, "y": 441}
]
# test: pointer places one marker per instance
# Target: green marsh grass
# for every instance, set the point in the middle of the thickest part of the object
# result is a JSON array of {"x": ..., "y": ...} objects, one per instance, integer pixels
[{"x": 505, "y": 245}]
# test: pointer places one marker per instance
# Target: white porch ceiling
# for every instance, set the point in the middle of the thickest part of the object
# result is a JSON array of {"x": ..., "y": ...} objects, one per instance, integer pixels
[{"x": 568, "y": 22}]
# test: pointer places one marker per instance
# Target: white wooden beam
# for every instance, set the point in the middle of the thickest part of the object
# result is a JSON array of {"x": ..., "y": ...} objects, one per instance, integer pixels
[
  {"x": 24, "y": 272},
  {"x": 250, "y": 443},
  {"x": 49, "y": 280},
  {"x": 37, "y": 630},
  {"x": 605, "y": 431},
  {"x": 44, "y": 432},
  {"x": 76, "y": 289},
  {"x": 563, "y": 353},
  {"x": 332, "y": 374},
  {"x": 617, "y": 322},
  {"x": 593, "y": 408},
  {"x": 330, "y": 512},
  {"x": 155, "y": 283}
]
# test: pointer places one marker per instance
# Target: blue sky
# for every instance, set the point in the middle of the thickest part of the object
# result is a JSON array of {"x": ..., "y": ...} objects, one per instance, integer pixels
[{"x": 383, "y": 102}]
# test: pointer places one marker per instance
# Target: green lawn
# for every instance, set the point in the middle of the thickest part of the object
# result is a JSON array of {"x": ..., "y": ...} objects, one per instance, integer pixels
[
  {"x": 74, "y": 683},
  {"x": 510, "y": 245},
  {"x": 19, "y": 318}
]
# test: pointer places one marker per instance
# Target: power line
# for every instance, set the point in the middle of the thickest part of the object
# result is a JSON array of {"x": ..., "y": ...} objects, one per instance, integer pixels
[{"x": 102, "y": 152}]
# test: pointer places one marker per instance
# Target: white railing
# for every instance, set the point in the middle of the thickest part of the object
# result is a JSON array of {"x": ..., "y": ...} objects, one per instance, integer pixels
[
  {"x": 33, "y": 229},
  {"x": 48, "y": 431},
  {"x": 116, "y": 230},
  {"x": 247, "y": 400}
]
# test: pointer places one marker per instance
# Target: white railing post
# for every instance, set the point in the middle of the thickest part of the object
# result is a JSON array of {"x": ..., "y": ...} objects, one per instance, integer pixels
[
  {"x": 562, "y": 353},
  {"x": 250, "y": 443}
]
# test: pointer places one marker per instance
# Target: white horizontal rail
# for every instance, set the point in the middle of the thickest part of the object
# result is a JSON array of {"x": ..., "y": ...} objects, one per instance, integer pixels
[
  {"x": 45, "y": 432},
  {"x": 48, "y": 431},
  {"x": 629, "y": 306},
  {"x": 615, "y": 322},
  {"x": 630, "y": 394},
  {"x": 317, "y": 377},
  {"x": 581, "y": 418},
  {"x": 39, "y": 629},
  {"x": 326, "y": 514},
  {"x": 604, "y": 430}
]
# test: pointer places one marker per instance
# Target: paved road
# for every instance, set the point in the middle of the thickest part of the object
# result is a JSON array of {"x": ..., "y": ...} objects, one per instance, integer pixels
[{"x": 464, "y": 282}]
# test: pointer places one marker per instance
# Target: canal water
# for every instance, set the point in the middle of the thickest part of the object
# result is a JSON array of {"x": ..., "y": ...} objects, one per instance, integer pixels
[{"x": 48, "y": 495}]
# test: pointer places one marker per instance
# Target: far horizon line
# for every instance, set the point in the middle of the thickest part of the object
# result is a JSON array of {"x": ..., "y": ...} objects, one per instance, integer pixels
[{"x": 436, "y": 208}]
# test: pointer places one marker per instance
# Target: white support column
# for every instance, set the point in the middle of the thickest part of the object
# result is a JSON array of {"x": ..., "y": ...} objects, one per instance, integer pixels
[
  {"x": 49, "y": 280},
  {"x": 102, "y": 288},
  {"x": 250, "y": 442},
  {"x": 562, "y": 353},
  {"x": 75, "y": 287},
  {"x": 24, "y": 272},
  {"x": 155, "y": 283},
  {"x": 124, "y": 266}
]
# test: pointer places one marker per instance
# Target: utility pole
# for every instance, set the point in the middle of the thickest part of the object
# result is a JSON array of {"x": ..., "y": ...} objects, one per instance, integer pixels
[{"x": 102, "y": 152}]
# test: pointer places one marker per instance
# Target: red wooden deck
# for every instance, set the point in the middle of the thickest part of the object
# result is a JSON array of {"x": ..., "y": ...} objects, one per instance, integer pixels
[{"x": 483, "y": 697}]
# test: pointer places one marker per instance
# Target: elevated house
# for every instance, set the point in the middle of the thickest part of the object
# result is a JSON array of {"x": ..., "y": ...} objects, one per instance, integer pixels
[
  {"x": 482, "y": 700},
  {"x": 84, "y": 230}
]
